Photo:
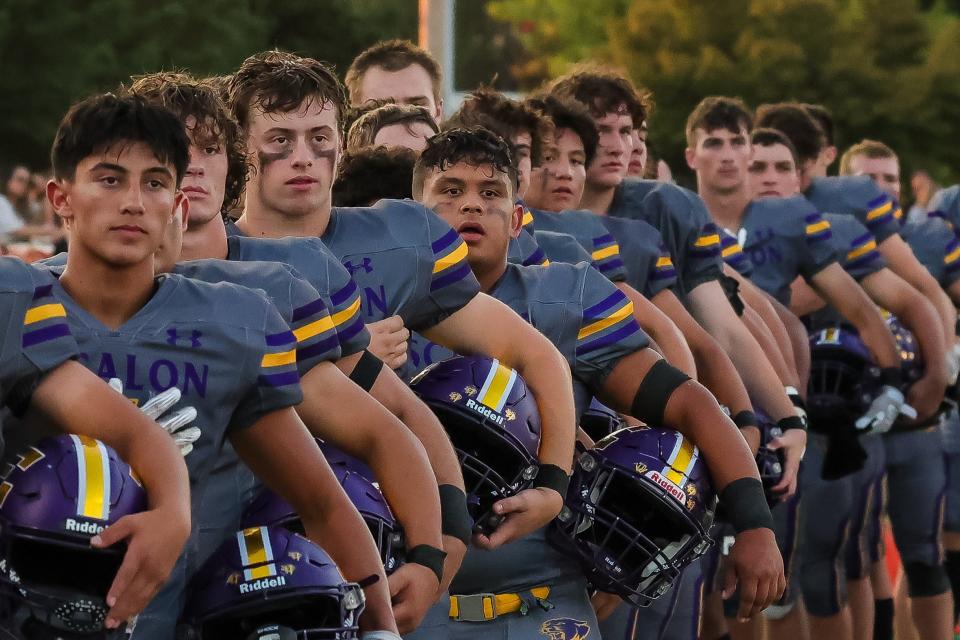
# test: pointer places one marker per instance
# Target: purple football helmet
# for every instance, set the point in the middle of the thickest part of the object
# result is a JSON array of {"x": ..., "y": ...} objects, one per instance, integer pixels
[
  {"x": 53, "y": 499},
  {"x": 770, "y": 462},
  {"x": 270, "y": 583},
  {"x": 494, "y": 424},
  {"x": 269, "y": 509},
  {"x": 599, "y": 420},
  {"x": 639, "y": 509},
  {"x": 910, "y": 360},
  {"x": 844, "y": 379}
]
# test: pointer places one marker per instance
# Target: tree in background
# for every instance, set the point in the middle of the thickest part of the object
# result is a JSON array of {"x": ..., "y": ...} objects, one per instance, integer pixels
[{"x": 885, "y": 68}]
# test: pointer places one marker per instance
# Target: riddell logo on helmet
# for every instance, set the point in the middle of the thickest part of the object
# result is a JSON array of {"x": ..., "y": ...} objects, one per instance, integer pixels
[
  {"x": 83, "y": 527},
  {"x": 667, "y": 486},
  {"x": 263, "y": 583},
  {"x": 486, "y": 412}
]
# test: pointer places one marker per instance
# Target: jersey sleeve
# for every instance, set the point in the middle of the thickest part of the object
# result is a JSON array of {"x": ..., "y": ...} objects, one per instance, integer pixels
[
  {"x": 862, "y": 257},
  {"x": 607, "y": 330},
  {"x": 311, "y": 325},
  {"x": 45, "y": 339},
  {"x": 701, "y": 262},
  {"x": 452, "y": 283},
  {"x": 525, "y": 250},
  {"x": 819, "y": 250},
  {"x": 605, "y": 255},
  {"x": 663, "y": 275},
  {"x": 561, "y": 247},
  {"x": 732, "y": 254},
  {"x": 344, "y": 309},
  {"x": 276, "y": 383},
  {"x": 879, "y": 216},
  {"x": 951, "y": 263}
]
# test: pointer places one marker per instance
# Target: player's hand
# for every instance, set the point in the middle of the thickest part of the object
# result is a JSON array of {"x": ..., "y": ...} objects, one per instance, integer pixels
[
  {"x": 388, "y": 341},
  {"x": 522, "y": 514},
  {"x": 604, "y": 604},
  {"x": 925, "y": 395},
  {"x": 883, "y": 411},
  {"x": 794, "y": 443},
  {"x": 455, "y": 550},
  {"x": 155, "y": 539},
  {"x": 175, "y": 423},
  {"x": 413, "y": 590},
  {"x": 755, "y": 563},
  {"x": 953, "y": 363}
]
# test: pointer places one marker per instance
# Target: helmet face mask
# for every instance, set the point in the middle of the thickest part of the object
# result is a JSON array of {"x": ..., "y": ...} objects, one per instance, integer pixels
[
  {"x": 59, "y": 494},
  {"x": 843, "y": 379},
  {"x": 626, "y": 524},
  {"x": 493, "y": 423}
]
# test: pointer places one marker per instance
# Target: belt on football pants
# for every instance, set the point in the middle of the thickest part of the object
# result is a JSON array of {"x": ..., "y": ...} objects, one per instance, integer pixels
[{"x": 483, "y": 607}]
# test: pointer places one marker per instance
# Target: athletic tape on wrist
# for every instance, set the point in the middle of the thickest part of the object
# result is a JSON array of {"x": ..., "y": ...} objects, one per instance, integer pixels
[
  {"x": 745, "y": 505},
  {"x": 745, "y": 419},
  {"x": 550, "y": 476},
  {"x": 655, "y": 391},
  {"x": 366, "y": 371},
  {"x": 454, "y": 516},
  {"x": 791, "y": 422},
  {"x": 429, "y": 557}
]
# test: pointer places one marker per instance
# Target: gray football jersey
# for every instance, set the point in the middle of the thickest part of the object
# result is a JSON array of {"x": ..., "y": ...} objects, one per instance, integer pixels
[
  {"x": 588, "y": 230},
  {"x": 936, "y": 246},
  {"x": 733, "y": 254},
  {"x": 860, "y": 197},
  {"x": 650, "y": 267},
  {"x": 561, "y": 247},
  {"x": 314, "y": 262},
  {"x": 681, "y": 217},
  {"x": 946, "y": 203},
  {"x": 785, "y": 238},
  {"x": 526, "y": 250}
]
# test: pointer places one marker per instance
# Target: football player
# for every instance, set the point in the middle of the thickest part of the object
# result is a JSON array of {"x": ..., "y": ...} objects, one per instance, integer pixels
[
  {"x": 392, "y": 125},
  {"x": 397, "y": 71},
  {"x": 468, "y": 177},
  {"x": 118, "y": 164}
]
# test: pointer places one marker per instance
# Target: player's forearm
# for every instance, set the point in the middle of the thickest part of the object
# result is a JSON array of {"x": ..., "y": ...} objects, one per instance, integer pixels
[
  {"x": 799, "y": 343},
  {"x": 693, "y": 411},
  {"x": 397, "y": 397},
  {"x": 764, "y": 337},
  {"x": 901, "y": 261},
  {"x": 763, "y": 304},
  {"x": 662, "y": 331},
  {"x": 340, "y": 412},
  {"x": 81, "y": 403},
  {"x": 854, "y": 305}
]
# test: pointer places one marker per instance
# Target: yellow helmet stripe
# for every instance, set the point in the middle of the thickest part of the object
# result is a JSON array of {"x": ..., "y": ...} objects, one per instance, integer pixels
[
  {"x": 93, "y": 478},
  {"x": 496, "y": 388},
  {"x": 256, "y": 552},
  {"x": 681, "y": 459}
]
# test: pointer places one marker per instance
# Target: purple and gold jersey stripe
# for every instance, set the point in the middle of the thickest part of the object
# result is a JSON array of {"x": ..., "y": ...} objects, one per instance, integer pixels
[
  {"x": 449, "y": 260},
  {"x": 663, "y": 268},
  {"x": 606, "y": 254},
  {"x": 952, "y": 258},
  {"x": 346, "y": 308},
  {"x": 880, "y": 211},
  {"x": 45, "y": 320},
  {"x": 863, "y": 249},
  {"x": 314, "y": 330},
  {"x": 527, "y": 220},
  {"x": 93, "y": 478},
  {"x": 256, "y": 554},
  {"x": 278, "y": 366},
  {"x": 606, "y": 322},
  {"x": 537, "y": 259},
  {"x": 707, "y": 243},
  {"x": 817, "y": 228}
]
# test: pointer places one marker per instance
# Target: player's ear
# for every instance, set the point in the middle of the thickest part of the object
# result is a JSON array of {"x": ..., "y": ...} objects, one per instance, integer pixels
[
  {"x": 690, "y": 156},
  {"x": 182, "y": 209},
  {"x": 516, "y": 220},
  {"x": 59, "y": 196}
]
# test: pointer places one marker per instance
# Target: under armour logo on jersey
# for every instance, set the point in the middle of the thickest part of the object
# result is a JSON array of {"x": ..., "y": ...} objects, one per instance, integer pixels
[
  {"x": 364, "y": 264},
  {"x": 173, "y": 338},
  {"x": 565, "y": 629}
]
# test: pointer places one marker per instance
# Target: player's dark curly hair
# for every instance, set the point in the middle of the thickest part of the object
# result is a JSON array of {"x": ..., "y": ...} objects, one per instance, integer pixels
[
  {"x": 490, "y": 109},
  {"x": 571, "y": 115},
  {"x": 476, "y": 146},
  {"x": 368, "y": 174},
  {"x": 603, "y": 90},
  {"x": 276, "y": 81},
  {"x": 186, "y": 96},
  {"x": 793, "y": 121},
  {"x": 99, "y": 122},
  {"x": 718, "y": 112},
  {"x": 364, "y": 129}
]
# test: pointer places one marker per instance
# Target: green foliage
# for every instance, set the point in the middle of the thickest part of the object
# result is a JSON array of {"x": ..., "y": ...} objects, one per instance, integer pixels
[
  {"x": 886, "y": 69},
  {"x": 54, "y": 52}
]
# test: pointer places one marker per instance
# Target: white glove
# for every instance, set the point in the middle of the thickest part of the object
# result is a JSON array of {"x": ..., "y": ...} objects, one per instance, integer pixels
[
  {"x": 953, "y": 363},
  {"x": 884, "y": 410},
  {"x": 175, "y": 423},
  {"x": 380, "y": 635}
]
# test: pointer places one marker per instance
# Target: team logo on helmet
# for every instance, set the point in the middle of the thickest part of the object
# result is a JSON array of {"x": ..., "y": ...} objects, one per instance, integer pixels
[
  {"x": 510, "y": 414},
  {"x": 470, "y": 390},
  {"x": 455, "y": 397},
  {"x": 565, "y": 629},
  {"x": 691, "y": 490},
  {"x": 641, "y": 468}
]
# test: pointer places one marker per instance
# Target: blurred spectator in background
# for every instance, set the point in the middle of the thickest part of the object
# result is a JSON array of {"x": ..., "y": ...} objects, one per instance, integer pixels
[
  {"x": 14, "y": 190},
  {"x": 923, "y": 188},
  {"x": 26, "y": 215}
]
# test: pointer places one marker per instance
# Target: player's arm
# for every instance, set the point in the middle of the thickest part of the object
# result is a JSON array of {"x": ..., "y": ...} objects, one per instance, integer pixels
[
  {"x": 900, "y": 260},
  {"x": 488, "y": 326},
  {"x": 81, "y": 403},
  {"x": 664, "y": 396},
  {"x": 390, "y": 391},
  {"x": 804, "y": 300},
  {"x": 280, "y": 451},
  {"x": 340, "y": 412},
  {"x": 913, "y": 309},
  {"x": 715, "y": 369},
  {"x": 799, "y": 342},
  {"x": 762, "y": 304},
  {"x": 842, "y": 292},
  {"x": 661, "y": 330},
  {"x": 768, "y": 343}
]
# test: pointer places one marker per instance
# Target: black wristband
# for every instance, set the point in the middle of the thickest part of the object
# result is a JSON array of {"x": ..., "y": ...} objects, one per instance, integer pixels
[
  {"x": 791, "y": 422},
  {"x": 892, "y": 376},
  {"x": 550, "y": 476},
  {"x": 454, "y": 517},
  {"x": 745, "y": 505},
  {"x": 654, "y": 392},
  {"x": 429, "y": 557},
  {"x": 745, "y": 419},
  {"x": 367, "y": 369}
]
